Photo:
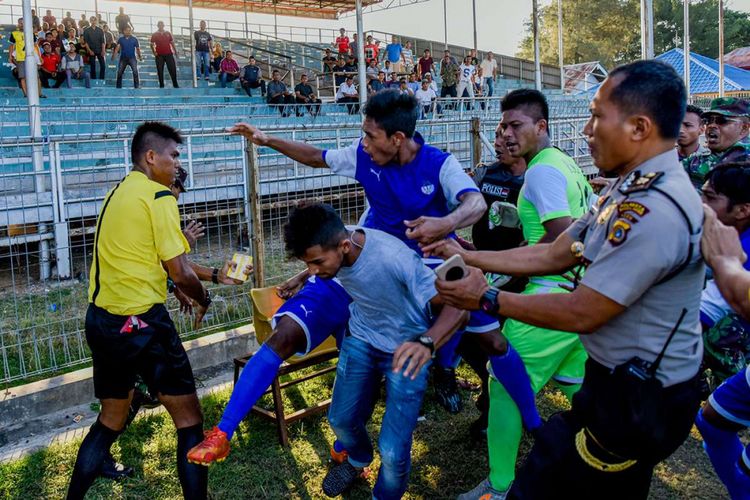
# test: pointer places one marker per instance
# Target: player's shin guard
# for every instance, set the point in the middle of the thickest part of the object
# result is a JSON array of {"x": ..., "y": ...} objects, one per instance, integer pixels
[
  {"x": 510, "y": 371},
  {"x": 94, "y": 448},
  {"x": 724, "y": 449},
  {"x": 193, "y": 477},
  {"x": 255, "y": 378},
  {"x": 503, "y": 436}
]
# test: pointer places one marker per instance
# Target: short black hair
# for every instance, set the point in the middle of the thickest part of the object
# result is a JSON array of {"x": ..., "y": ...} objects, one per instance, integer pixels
[
  {"x": 151, "y": 135},
  {"x": 692, "y": 108},
  {"x": 654, "y": 89},
  {"x": 393, "y": 112},
  {"x": 531, "y": 99},
  {"x": 312, "y": 224},
  {"x": 732, "y": 179}
]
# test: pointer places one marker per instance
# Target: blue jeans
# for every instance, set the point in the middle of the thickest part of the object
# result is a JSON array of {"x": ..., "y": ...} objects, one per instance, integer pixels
[
  {"x": 489, "y": 82},
  {"x": 360, "y": 370},
  {"x": 124, "y": 63},
  {"x": 226, "y": 77},
  {"x": 202, "y": 60}
]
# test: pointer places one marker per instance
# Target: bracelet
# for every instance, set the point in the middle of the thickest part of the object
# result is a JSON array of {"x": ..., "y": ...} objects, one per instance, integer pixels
[{"x": 215, "y": 276}]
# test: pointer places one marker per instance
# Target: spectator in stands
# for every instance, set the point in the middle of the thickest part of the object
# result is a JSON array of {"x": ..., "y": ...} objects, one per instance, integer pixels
[
  {"x": 68, "y": 21},
  {"x": 202, "y": 51},
  {"x": 278, "y": 94},
  {"x": 72, "y": 39},
  {"x": 17, "y": 56},
  {"x": 488, "y": 70},
  {"x": 691, "y": 130},
  {"x": 50, "y": 19},
  {"x": 123, "y": 21},
  {"x": 474, "y": 58},
  {"x": 408, "y": 55},
  {"x": 95, "y": 41},
  {"x": 62, "y": 31},
  {"x": 73, "y": 67},
  {"x": 252, "y": 78},
  {"x": 466, "y": 79},
  {"x": 303, "y": 94},
  {"x": 372, "y": 70},
  {"x": 371, "y": 50},
  {"x": 45, "y": 27},
  {"x": 395, "y": 55},
  {"x": 425, "y": 64},
  {"x": 49, "y": 68},
  {"x": 449, "y": 73},
  {"x": 347, "y": 94},
  {"x": 353, "y": 48},
  {"x": 340, "y": 71},
  {"x": 351, "y": 64},
  {"x": 425, "y": 97},
  {"x": 229, "y": 70},
  {"x": 431, "y": 82},
  {"x": 130, "y": 53},
  {"x": 412, "y": 83},
  {"x": 394, "y": 82},
  {"x": 35, "y": 20},
  {"x": 329, "y": 61},
  {"x": 109, "y": 37},
  {"x": 55, "y": 44},
  {"x": 378, "y": 84},
  {"x": 403, "y": 87},
  {"x": 83, "y": 23},
  {"x": 387, "y": 69},
  {"x": 342, "y": 43},
  {"x": 217, "y": 53},
  {"x": 162, "y": 45}
]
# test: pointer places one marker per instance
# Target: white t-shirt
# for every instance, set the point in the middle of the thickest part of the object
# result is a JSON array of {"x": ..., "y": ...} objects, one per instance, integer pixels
[
  {"x": 467, "y": 72},
  {"x": 345, "y": 90},
  {"x": 488, "y": 67},
  {"x": 425, "y": 97}
]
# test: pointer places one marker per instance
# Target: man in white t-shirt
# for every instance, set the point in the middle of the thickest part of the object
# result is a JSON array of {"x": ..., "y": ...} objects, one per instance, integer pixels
[
  {"x": 489, "y": 72},
  {"x": 425, "y": 97},
  {"x": 466, "y": 76},
  {"x": 347, "y": 94}
]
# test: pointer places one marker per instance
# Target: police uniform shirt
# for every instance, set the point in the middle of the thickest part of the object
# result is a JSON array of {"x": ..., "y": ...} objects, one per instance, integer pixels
[
  {"x": 632, "y": 242},
  {"x": 497, "y": 184},
  {"x": 137, "y": 230}
]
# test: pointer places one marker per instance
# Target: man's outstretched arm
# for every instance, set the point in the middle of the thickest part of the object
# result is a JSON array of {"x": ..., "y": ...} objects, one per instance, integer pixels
[{"x": 297, "y": 151}]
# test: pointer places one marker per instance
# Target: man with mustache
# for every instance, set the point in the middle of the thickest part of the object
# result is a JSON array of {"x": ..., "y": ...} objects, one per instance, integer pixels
[{"x": 727, "y": 125}]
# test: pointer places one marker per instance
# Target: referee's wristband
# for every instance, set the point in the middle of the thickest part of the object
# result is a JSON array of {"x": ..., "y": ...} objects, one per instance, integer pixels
[
  {"x": 206, "y": 300},
  {"x": 215, "y": 276}
]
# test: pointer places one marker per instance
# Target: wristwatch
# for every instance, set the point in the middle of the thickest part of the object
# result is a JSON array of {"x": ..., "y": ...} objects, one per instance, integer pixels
[
  {"x": 215, "y": 276},
  {"x": 489, "y": 303},
  {"x": 426, "y": 341},
  {"x": 206, "y": 301}
]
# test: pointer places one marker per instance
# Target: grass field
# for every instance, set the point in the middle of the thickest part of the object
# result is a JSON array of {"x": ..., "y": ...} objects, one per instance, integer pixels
[{"x": 445, "y": 460}]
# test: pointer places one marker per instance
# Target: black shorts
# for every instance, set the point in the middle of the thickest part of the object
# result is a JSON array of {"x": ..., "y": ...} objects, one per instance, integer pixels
[{"x": 154, "y": 352}]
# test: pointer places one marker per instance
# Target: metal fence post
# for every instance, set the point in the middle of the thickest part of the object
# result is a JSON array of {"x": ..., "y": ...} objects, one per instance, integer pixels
[
  {"x": 476, "y": 141},
  {"x": 253, "y": 211}
]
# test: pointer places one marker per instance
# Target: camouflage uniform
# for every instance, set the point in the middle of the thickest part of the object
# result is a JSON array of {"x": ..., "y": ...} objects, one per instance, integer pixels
[{"x": 702, "y": 161}]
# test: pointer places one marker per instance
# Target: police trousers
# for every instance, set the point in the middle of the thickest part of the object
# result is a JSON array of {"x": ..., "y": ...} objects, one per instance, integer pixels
[{"x": 597, "y": 449}]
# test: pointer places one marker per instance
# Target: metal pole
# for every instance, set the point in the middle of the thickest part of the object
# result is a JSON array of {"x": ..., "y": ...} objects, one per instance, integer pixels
[
  {"x": 191, "y": 36},
  {"x": 247, "y": 31},
  {"x": 445, "y": 22},
  {"x": 171, "y": 25},
  {"x": 560, "y": 43},
  {"x": 537, "y": 64},
  {"x": 686, "y": 46},
  {"x": 474, "y": 16},
  {"x": 96, "y": 8},
  {"x": 721, "y": 48},
  {"x": 275, "y": 21},
  {"x": 361, "y": 56},
  {"x": 35, "y": 125},
  {"x": 647, "y": 29}
]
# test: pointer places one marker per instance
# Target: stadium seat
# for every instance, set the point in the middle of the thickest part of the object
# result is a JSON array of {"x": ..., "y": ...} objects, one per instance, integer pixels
[{"x": 265, "y": 304}]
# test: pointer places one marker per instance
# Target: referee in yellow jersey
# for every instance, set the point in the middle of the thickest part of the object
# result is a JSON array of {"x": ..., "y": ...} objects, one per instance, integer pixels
[{"x": 128, "y": 328}]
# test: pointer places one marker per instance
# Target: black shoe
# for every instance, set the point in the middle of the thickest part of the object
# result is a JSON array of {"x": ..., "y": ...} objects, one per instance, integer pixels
[
  {"x": 446, "y": 389},
  {"x": 340, "y": 478},
  {"x": 113, "y": 470}
]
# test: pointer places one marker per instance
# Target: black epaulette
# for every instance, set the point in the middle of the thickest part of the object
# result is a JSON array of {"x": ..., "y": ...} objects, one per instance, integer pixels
[
  {"x": 637, "y": 182},
  {"x": 162, "y": 194}
]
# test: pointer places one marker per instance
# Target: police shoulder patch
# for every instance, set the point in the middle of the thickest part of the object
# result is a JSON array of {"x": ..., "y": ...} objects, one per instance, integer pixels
[
  {"x": 637, "y": 182},
  {"x": 630, "y": 209},
  {"x": 619, "y": 232}
]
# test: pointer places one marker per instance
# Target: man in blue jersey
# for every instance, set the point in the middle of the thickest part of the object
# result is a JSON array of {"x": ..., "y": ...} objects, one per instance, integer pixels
[{"x": 416, "y": 193}]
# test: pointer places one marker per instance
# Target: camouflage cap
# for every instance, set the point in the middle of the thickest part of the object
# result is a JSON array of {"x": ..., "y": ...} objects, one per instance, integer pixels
[{"x": 729, "y": 106}]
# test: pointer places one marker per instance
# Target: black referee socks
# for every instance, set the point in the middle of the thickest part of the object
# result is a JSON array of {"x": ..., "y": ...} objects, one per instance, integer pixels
[
  {"x": 193, "y": 477},
  {"x": 94, "y": 448}
]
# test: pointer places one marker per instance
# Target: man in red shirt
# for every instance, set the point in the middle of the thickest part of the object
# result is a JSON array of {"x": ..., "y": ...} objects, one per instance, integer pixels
[
  {"x": 342, "y": 42},
  {"x": 162, "y": 45},
  {"x": 48, "y": 69},
  {"x": 49, "y": 19},
  {"x": 230, "y": 70},
  {"x": 371, "y": 50}
]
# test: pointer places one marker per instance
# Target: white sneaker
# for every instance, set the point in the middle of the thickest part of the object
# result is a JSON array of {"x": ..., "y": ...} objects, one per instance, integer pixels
[{"x": 483, "y": 491}]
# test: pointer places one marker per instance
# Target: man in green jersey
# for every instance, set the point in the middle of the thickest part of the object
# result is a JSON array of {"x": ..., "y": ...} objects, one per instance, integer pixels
[{"x": 555, "y": 192}]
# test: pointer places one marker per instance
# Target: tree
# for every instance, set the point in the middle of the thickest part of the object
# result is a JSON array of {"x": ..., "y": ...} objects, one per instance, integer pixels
[{"x": 609, "y": 30}]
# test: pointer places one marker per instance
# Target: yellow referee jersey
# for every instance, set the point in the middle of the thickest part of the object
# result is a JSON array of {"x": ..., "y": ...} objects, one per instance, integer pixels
[{"x": 138, "y": 229}]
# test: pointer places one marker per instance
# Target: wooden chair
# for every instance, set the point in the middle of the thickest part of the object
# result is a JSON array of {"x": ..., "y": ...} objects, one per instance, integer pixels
[{"x": 265, "y": 304}]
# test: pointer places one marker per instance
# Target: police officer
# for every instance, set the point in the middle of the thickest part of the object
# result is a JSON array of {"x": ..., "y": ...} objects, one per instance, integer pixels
[
  {"x": 727, "y": 124},
  {"x": 636, "y": 307}
]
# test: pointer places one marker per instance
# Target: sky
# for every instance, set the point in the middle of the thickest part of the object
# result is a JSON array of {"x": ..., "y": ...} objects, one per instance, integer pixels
[{"x": 500, "y": 23}]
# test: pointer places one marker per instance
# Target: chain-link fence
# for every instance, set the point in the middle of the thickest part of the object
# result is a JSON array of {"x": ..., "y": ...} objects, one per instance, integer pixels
[{"x": 51, "y": 192}]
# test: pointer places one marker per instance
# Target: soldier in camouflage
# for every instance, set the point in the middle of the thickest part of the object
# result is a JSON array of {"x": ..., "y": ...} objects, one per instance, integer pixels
[{"x": 727, "y": 124}]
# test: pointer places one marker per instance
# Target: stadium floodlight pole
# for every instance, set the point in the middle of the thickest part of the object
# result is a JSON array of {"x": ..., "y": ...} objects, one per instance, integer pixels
[
  {"x": 647, "y": 29},
  {"x": 171, "y": 24},
  {"x": 474, "y": 16},
  {"x": 721, "y": 48},
  {"x": 537, "y": 63},
  {"x": 96, "y": 8},
  {"x": 247, "y": 31},
  {"x": 445, "y": 22},
  {"x": 686, "y": 45},
  {"x": 561, "y": 55},
  {"x": 361, "y": 56},
  {"x": 191, "y": 35}
]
